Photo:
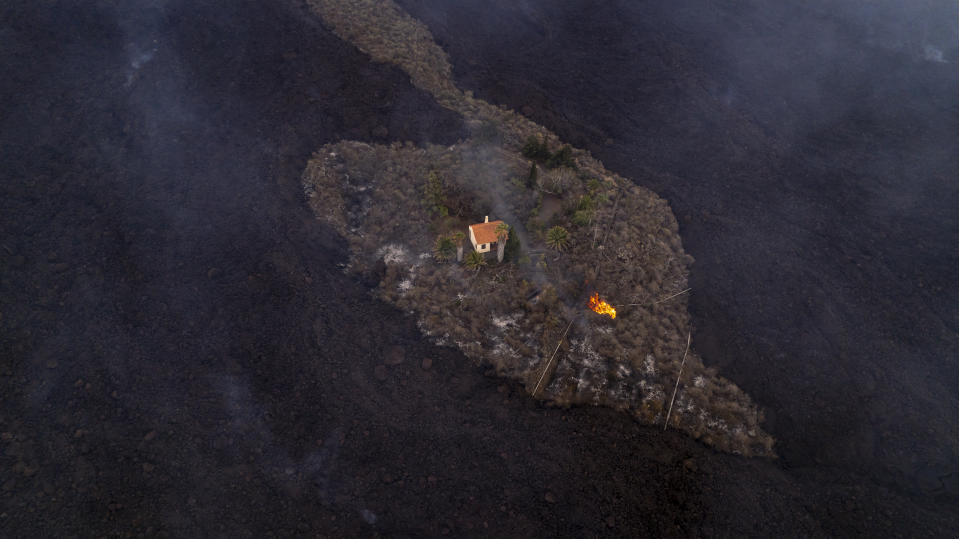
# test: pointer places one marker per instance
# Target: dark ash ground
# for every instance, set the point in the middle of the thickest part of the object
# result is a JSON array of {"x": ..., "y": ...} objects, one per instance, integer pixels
[{"x": 181, "y": 355}]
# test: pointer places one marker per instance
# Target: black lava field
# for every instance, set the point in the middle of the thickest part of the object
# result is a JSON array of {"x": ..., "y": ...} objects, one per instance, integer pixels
[{"x": 182, "y": 354}]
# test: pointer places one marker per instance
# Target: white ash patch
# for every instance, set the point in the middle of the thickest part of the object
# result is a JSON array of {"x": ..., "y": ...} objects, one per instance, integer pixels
[
  {"x": 591, "y": 381},
  {"x": 587, "y": 356},
  {"x": 504, "y": 322},
  {"x": 424, "y": 329},
  {"x": 504, "y": 351},
  {"x": 439, "y": 340},
  {"x": 652, "y": 392},
  {"x": 392, "y": 253},
  {"x": 472, "y": 349},
  {"x": 407, "y": 284},
  {"x": 712, "y": 422},
  {"x": 649, "y": 365}
]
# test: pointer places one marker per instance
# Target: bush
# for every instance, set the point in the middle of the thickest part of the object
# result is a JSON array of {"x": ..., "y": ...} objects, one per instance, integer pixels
[
  {"x": 512, "y": 248},
  {"x": 582, "y": 217},
  {"x": 536, "y": 148},
  {"x": 531, "y": 177},
  {"x": 562, "y": 158},
  {"x": 557, "y": 238},
  {"x": 444, "y": 248},
  {"x": 557, "y": 181},
  {"x": 434, "y": 195},
  {"x": 474, "y": 260},
  {"x": 593, "y": 185}
]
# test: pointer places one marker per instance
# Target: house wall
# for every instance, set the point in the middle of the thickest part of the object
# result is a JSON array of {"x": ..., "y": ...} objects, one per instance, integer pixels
[
  {"x": 472, "y": 238},
  {"x": 479, "y": 248}
]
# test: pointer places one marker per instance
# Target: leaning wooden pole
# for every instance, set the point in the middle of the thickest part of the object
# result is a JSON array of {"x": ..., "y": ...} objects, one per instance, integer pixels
[
  {"x": 548, "y": 363},
  {"x": 689, "y": 337}
]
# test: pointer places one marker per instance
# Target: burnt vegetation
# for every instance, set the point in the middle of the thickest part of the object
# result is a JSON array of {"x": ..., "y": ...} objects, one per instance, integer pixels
[
  {"x": 576, "y": 227},
  {"x": 572, "y": 230}
]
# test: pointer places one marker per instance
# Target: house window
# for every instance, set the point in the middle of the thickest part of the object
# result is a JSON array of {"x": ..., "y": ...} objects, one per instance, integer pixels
[{"x": 483, "y": 246}]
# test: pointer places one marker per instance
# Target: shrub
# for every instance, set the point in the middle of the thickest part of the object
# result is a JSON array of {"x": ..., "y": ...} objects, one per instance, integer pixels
[
  {"x": 444, "y": 248},
  {"x": 557, "y": 181},
  {"x": 562, "y": 158},
  {"x": 531, "y": 177},
  {"x": 434, "y": 195},
  {"x": 474, "y": 260},
  {"x": 593, "y": 185},
  {"x": 557, "y": 238},
  {"x": 582, "y": 217},
  {"x": 512, "y": 248},
  {"x": 536, "y": 148}
]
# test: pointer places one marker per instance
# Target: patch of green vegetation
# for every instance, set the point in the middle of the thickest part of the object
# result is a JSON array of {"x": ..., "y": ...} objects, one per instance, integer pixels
[
  {"x": 557, "y": 238},
  {"x": 562, "y": 158},
  {"x": 444, "y": 248},
  {"x": 434, "y": 195},
  {"x": 537, "y": 149},
  {"x": 474, "y": 260}
]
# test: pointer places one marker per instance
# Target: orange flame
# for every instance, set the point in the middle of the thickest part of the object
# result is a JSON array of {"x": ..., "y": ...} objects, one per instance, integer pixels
[{"x": 601, "y": 306}]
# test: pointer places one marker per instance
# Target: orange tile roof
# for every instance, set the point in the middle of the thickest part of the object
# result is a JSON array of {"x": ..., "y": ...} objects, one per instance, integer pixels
[{"x": 485, "y": 232}]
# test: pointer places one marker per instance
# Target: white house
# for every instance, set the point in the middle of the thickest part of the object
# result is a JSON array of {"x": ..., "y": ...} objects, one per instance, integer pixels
[{"x": 483, "y": 235}]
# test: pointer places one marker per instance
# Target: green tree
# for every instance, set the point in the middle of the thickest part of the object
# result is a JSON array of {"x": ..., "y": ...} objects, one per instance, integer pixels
[
  {"x": 563, "y": 157},
  {"x": 532, "y": 176},
  {"x": 475, "y": 260},
  {"x": 502, "y": 231},
  {"x": 434, "y": 195},
  {"x": 443, "y": 248},
  {"x": 557, "y": 238},
  {"x": 513, "y": 248},
  {"x": 536, "y": 148}
]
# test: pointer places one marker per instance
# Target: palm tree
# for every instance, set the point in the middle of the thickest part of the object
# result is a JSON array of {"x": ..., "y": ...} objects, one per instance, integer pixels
[
  {"x": 443, "y": 248},
  {"x": 502, "y": 234},
  {"x": 475, "y": 260},
  {"x": 458, "y": 238},
  {"x": 557, "y": 238}
]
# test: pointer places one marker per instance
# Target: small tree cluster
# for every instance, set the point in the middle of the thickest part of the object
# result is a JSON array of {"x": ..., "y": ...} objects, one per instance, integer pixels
[
  {"x": 538, "y": 150},
  {"x": 584, "y": 210},
  {"x": 434, "y": 195},
  {"x": 443, "y": 248}
]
